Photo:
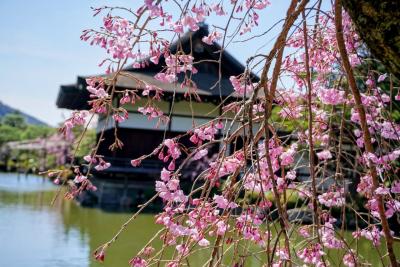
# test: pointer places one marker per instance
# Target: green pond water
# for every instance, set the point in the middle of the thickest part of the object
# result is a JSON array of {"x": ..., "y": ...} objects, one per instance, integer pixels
[{"x": 33, "y": 233}]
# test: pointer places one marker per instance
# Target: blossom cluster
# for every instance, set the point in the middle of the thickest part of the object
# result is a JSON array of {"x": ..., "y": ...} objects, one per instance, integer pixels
[{"x": 265, "y": 157}]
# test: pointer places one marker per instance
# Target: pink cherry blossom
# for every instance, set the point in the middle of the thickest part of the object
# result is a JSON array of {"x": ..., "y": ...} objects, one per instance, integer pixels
[
  {"x": 135, "y": 162},
  {"x": 382, "y": 191},
  {"x": 373, "y": 235},
  {"x": 173, "y": 149},
  {"x": 218, "y": 9},
  {"x": 165, "y": 175},
  {"x": 332, "y": 198},
  {"x": 190, "y": 22},
  {"x": 206, "y": 133},
  {"x": 200, "y": 154},
  {"x": 312, "y": 254},
  {"x": 382, "y": 77},
  {"x": 137, "y": 262},
  {"x": 166, "y": 78},
  {"x": 395, "y": 187},
  {"x": 324, "y": 155},
  {"x": 287, "y": 157},
  {"x": 303, "y": 231},
  {"x": 221, "y": 228},
  {"x": 90, "y": 159},
  {"x": 331, "y": 96},
  {"x": 214, "y": 36},
  {"x": 223, "y": 203},
  {"x": 79, "y": 178},
  {"x": 291, "y": 175},
  {"x": 327, "y": 233},
  {"x": 350, "y": 260},
  {"x": 228, "y": 166},
  {"x": 118, "y": 117},
  {"x": 182, "y": 249},
  {"x": 102, "y": 165},
  {"x": 204, "y": 242},
  {"x": 240, "y": 86},
  {"x": 125, "y": 99},
  {"x": 245, "y": 152},
  {"x": 77, "y": 118},
  {"x": 370, "y": 82},
  {"x": 150, "y": 112}
]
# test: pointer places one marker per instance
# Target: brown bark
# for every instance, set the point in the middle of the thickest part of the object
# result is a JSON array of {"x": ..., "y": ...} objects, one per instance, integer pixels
[
  {"x": 378, "y": 24},
  {"x": 366, "y": 134},
  {"x": 292, "y": 14}
]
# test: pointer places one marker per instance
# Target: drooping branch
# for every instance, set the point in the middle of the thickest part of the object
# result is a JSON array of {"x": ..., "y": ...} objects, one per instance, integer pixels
[{"x": 366, "y": 134}]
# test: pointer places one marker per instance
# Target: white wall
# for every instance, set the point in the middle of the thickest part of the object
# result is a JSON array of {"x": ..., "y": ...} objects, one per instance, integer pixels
[{"x": 184, "y": 115}]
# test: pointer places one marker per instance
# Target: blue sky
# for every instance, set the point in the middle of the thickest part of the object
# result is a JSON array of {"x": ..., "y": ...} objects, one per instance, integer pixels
[{"x": 40, "y": 49}]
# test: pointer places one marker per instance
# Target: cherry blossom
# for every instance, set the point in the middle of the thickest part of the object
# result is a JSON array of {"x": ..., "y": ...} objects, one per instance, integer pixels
[
  {"x": 80, "y": 178},
  {"x": 77, "y": 118},
  {"x": 324, "y": 155},
  {"x": 332, "y": 198},
  {"x": 382, "y": 77},
  {"x": 102, "y": 165},
  {"x": 350, "y": 260},
  {"x": 137, "y": 262},
  {"x": 265, "y": 136},
  {"x": 287, "y": 156},
  {"x": 204, "y": 242},
  {"x": 331, "y": 96},
  {"x": 373, "y": 235},
  {"x": 214, "y": 36},
  {"x": 200, "y": 154},
  {"x": 240, "y": 86},
  {"x": 223, "y": 203},
  {"x": 312, "y": 254},
  {"x": 395, "y": 187}
]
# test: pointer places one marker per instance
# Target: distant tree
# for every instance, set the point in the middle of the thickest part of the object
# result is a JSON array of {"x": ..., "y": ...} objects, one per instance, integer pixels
[
  {"x": 14, "y": 120},
  {"x": 9, "y": 133},
  {"x": 13, "y": 127},
  {"x": 35, "y": 131}
]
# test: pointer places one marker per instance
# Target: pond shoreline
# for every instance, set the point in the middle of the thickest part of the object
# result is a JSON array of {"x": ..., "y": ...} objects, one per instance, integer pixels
[
  {"x": 66, "y": 234},
  {"x": 116, "y": 197}
]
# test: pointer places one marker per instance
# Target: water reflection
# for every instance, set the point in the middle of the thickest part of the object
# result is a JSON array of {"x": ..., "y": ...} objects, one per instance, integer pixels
[{"x": 33, "y": 233}]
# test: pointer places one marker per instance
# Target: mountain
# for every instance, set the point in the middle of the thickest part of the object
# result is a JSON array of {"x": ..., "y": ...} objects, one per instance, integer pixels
[{"x": 5, "y": 109}]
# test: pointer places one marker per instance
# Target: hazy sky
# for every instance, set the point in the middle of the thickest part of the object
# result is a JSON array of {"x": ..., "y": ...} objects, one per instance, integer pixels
[{"x": 40, "y": 49}]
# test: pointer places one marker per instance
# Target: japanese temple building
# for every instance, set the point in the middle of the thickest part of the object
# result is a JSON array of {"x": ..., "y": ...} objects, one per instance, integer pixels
[
  {"x": 122, "y": 184},
  {"x": 139, "y": 135}
]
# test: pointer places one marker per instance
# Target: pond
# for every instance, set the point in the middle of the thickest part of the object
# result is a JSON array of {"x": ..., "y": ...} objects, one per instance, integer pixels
[{"x": 34, "y": 233}]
